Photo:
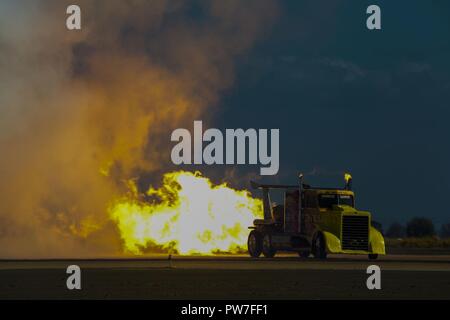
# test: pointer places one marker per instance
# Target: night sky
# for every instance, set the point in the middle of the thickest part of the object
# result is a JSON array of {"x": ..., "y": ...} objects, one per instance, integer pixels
[{"x": 374, "y": 103}]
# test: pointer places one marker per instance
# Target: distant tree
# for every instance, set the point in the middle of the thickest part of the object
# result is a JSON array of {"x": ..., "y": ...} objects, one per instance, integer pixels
[
  {"x": 420, "y": 227},
  {"x": 377, "y": 225},
  {"x": 445, "y": 230},
  {"x": 396, "y": 230}
]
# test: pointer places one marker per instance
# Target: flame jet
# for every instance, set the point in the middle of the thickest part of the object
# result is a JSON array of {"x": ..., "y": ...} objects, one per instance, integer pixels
[{"x": 193, "y": 216}]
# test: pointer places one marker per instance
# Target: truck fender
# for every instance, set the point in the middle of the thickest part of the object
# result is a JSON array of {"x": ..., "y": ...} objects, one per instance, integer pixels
[
  {"x": 376, "y": 241},
  {"x": 333, "y": 244}
]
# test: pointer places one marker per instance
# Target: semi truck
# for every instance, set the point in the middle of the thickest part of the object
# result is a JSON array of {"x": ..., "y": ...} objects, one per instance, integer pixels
[{"x": 314, "y": 220}]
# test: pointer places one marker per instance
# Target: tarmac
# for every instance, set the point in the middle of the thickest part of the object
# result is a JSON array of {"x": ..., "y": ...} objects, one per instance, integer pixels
[{"x": 229, "y": 277}]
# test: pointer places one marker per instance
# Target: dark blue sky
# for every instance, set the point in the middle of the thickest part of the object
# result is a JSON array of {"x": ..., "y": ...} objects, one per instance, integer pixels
[{"x": 375, "y": 103}]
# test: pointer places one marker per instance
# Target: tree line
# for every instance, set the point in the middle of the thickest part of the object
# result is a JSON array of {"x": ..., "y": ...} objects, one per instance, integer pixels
[{"x": 418, "y": 227}]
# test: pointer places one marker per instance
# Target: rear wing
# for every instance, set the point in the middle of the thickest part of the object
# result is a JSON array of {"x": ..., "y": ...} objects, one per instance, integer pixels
[
  {"x": 256, "y": 185},
  {"x": 347, "y": 177}
]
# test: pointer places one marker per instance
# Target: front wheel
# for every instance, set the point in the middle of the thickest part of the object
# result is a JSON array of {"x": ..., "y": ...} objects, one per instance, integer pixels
[
  {"x": 268, "y": 250},
  {"x": 254, "y": 244},
  {"x": 319, "y": 250}
]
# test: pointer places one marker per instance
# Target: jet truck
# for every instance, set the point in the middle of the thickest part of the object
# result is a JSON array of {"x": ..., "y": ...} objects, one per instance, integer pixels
[{"x": 314, "y": 220}]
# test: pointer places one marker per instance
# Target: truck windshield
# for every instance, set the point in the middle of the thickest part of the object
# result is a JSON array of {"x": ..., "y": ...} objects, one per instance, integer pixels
[{"x": 328, "y": 200}]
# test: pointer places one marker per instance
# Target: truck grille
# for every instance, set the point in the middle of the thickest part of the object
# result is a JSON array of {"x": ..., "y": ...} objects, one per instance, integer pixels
[{"x": 355, "y": 233}]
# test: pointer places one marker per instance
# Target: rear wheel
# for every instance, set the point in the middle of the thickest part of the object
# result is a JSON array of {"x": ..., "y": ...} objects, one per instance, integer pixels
[
  {"x": 268, "y": 250},
  {"x": 319, "y": 249},
  {"x": 254, "y": 244},
  {"x": 373, "y": 256}
]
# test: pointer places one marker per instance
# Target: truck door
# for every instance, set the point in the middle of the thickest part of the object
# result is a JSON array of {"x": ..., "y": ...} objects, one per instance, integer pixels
[{"x": 291, "y": 212}]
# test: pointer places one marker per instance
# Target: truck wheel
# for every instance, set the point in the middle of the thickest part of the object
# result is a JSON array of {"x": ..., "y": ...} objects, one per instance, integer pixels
[
  {"x": 268, "y": 250},
  {"x": 254, "y": 244},
  {"x": 373, "y": 256},
  {"x": 319, "y": 249}
]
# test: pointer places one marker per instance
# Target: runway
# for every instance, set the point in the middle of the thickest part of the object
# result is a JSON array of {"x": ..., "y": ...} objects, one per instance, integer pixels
[{"x": 229, "y": 277}]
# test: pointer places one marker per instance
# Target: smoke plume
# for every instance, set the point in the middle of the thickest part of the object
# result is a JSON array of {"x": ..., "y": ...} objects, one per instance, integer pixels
[{"x": 84, "y": 111}]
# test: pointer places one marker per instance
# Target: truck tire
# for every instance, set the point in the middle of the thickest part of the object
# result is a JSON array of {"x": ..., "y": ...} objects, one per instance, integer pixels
[
  {"x": 267, "y": 247},
  {"x": 254, "y": 244},
  {"x": 318, "y": 248},
  {"x": 373, "y": 256}
]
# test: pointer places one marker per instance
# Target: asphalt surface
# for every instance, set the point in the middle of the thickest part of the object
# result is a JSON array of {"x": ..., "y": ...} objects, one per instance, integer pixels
[{"x": 229, "y": 277}]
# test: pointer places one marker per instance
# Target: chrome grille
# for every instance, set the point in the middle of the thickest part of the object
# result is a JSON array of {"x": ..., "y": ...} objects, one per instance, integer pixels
[{"x": 355, "y": 233}]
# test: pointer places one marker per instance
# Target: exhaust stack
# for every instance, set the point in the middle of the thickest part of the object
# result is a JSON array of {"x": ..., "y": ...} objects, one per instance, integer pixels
[
  {"x": 348, "y": 181},
  {"x": 300, "y": 187}
]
